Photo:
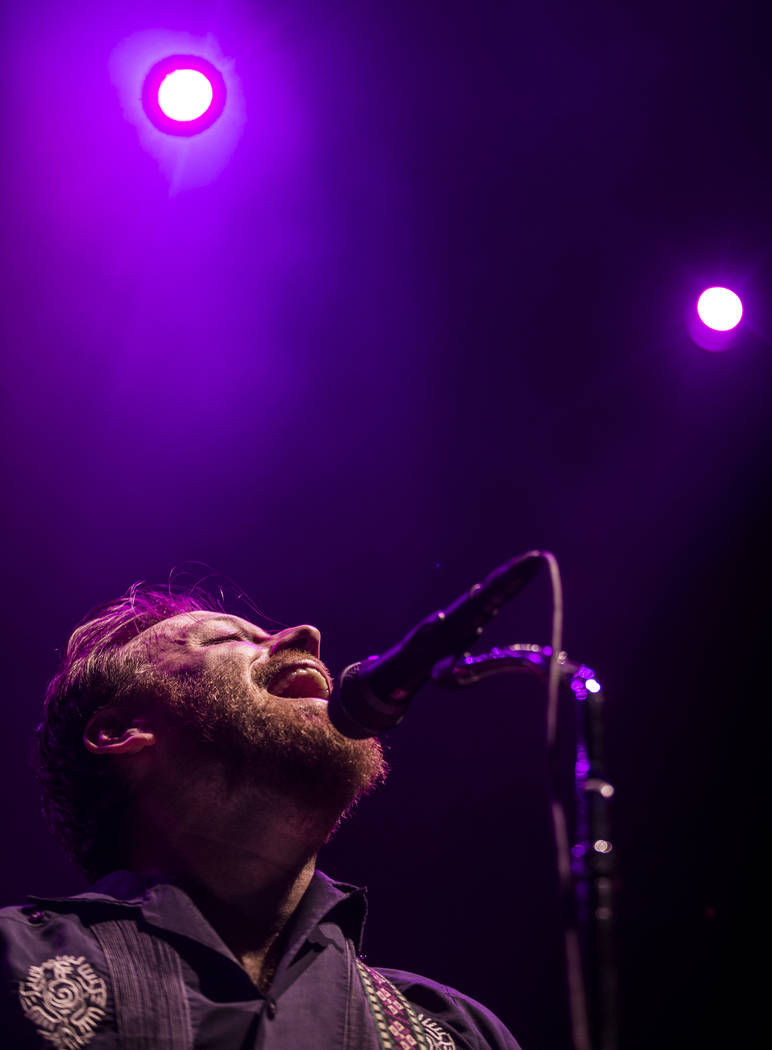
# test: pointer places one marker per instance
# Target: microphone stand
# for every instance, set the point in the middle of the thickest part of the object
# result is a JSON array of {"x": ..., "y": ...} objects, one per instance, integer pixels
[{"x": 586, "y": 869}]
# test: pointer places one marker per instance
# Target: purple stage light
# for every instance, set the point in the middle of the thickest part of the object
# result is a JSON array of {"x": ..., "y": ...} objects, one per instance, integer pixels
[
  {"x": 720, "y": 309},
  {"x": 183, "y": 94},
  {"x": 713, "y": 321}
]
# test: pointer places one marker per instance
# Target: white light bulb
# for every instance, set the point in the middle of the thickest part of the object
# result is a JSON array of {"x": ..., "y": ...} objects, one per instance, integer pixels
[
  {"x": 720, "y": 309},
  {"x": 185, "y": 94}
]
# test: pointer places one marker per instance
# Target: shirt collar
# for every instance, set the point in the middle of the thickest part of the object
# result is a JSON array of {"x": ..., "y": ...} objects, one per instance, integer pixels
[{"x": 328, "y": 907}]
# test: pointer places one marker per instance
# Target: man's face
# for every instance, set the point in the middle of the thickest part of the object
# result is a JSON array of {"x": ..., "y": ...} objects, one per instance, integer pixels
[
  {"x": 257, "y": 703},
  {"x": 211, "y": 642}
]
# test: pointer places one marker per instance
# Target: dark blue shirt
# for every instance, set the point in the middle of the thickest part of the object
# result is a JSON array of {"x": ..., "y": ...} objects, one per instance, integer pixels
[{"x": 67, "y": 963}]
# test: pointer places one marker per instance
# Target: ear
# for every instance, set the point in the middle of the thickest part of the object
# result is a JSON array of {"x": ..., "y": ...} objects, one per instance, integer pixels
[{"x": 113, "y": 732}]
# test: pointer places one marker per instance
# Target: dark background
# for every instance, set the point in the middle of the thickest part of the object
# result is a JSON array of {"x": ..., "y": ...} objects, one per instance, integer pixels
[{"x": 431, "y": 313}]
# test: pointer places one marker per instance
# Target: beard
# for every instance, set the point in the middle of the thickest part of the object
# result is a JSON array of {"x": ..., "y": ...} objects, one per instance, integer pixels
[{"x": 286, "y": 747}]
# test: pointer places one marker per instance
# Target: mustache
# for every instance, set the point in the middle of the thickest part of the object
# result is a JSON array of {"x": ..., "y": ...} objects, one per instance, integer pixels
[{"x": 264, "y": 673}]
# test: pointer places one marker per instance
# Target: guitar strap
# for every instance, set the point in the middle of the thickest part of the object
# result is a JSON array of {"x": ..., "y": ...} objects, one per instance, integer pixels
[{"x": 395, "y": 1019}]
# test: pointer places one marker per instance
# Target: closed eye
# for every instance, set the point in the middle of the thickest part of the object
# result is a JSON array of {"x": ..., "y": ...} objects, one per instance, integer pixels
[{"x": 225, "y": 638}]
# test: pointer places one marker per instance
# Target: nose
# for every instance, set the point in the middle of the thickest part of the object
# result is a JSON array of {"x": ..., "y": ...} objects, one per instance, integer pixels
[{"x": 305, "y": 638}]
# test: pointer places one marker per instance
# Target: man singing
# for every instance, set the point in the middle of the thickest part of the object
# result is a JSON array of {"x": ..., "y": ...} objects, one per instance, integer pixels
[{"x": 189, "y": 766}]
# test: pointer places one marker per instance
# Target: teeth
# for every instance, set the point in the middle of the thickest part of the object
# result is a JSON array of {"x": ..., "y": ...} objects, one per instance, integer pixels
[{"x": 299, "y": 682}]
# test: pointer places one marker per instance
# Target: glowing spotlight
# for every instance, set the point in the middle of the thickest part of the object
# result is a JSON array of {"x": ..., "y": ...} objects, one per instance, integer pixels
[
  {"x": 183, "y": 94},
  {"x": 714, "y": 324},
  {"x": 720, "y": 309}
]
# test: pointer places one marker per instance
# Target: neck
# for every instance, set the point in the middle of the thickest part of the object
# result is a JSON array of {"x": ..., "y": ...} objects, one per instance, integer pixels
[{"x": 245, "y": 857}]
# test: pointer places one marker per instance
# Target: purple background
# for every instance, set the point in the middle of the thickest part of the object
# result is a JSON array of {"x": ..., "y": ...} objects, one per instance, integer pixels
[{"x": 430, "y": 314}]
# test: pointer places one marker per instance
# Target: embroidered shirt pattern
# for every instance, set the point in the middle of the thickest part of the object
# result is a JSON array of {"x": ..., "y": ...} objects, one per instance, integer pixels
[
  {"x": 65, "y": 999},
  {"x": 439, "y": 1039}
]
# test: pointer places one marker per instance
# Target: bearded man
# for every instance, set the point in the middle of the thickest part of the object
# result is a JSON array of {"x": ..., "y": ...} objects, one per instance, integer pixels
[{"x": 189, "y": 766}]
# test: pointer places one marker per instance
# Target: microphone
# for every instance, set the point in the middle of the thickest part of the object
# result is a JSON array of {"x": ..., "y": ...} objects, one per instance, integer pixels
[{"x": 373, "y": 695}]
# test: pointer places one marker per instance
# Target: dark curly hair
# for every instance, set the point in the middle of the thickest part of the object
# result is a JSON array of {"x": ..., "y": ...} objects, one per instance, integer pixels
[{"x": 83, "y": 800}]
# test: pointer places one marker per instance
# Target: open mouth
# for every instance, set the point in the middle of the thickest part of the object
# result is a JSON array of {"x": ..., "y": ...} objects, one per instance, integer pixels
[{"x": 300, "y": 681}]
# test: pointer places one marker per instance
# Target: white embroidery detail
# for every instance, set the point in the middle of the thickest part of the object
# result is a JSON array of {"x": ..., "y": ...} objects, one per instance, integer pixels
[
  {"x": 65, "y": 999},
  {"x": 439, "y": 1039}
]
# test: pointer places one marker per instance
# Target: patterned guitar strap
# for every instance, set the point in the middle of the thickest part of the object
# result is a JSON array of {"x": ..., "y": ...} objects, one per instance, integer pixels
[{"x": 398, "y": 1024}]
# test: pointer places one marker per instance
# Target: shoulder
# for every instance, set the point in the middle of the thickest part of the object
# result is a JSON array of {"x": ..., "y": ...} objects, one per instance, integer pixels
[
  {"x": 20, "y": 924},
  {"x": 13, "y": 913},
  {"x": 468, "y": 1021},
  {"x": 30, "y": 921},
  {"x": 32, "y": 935}
]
